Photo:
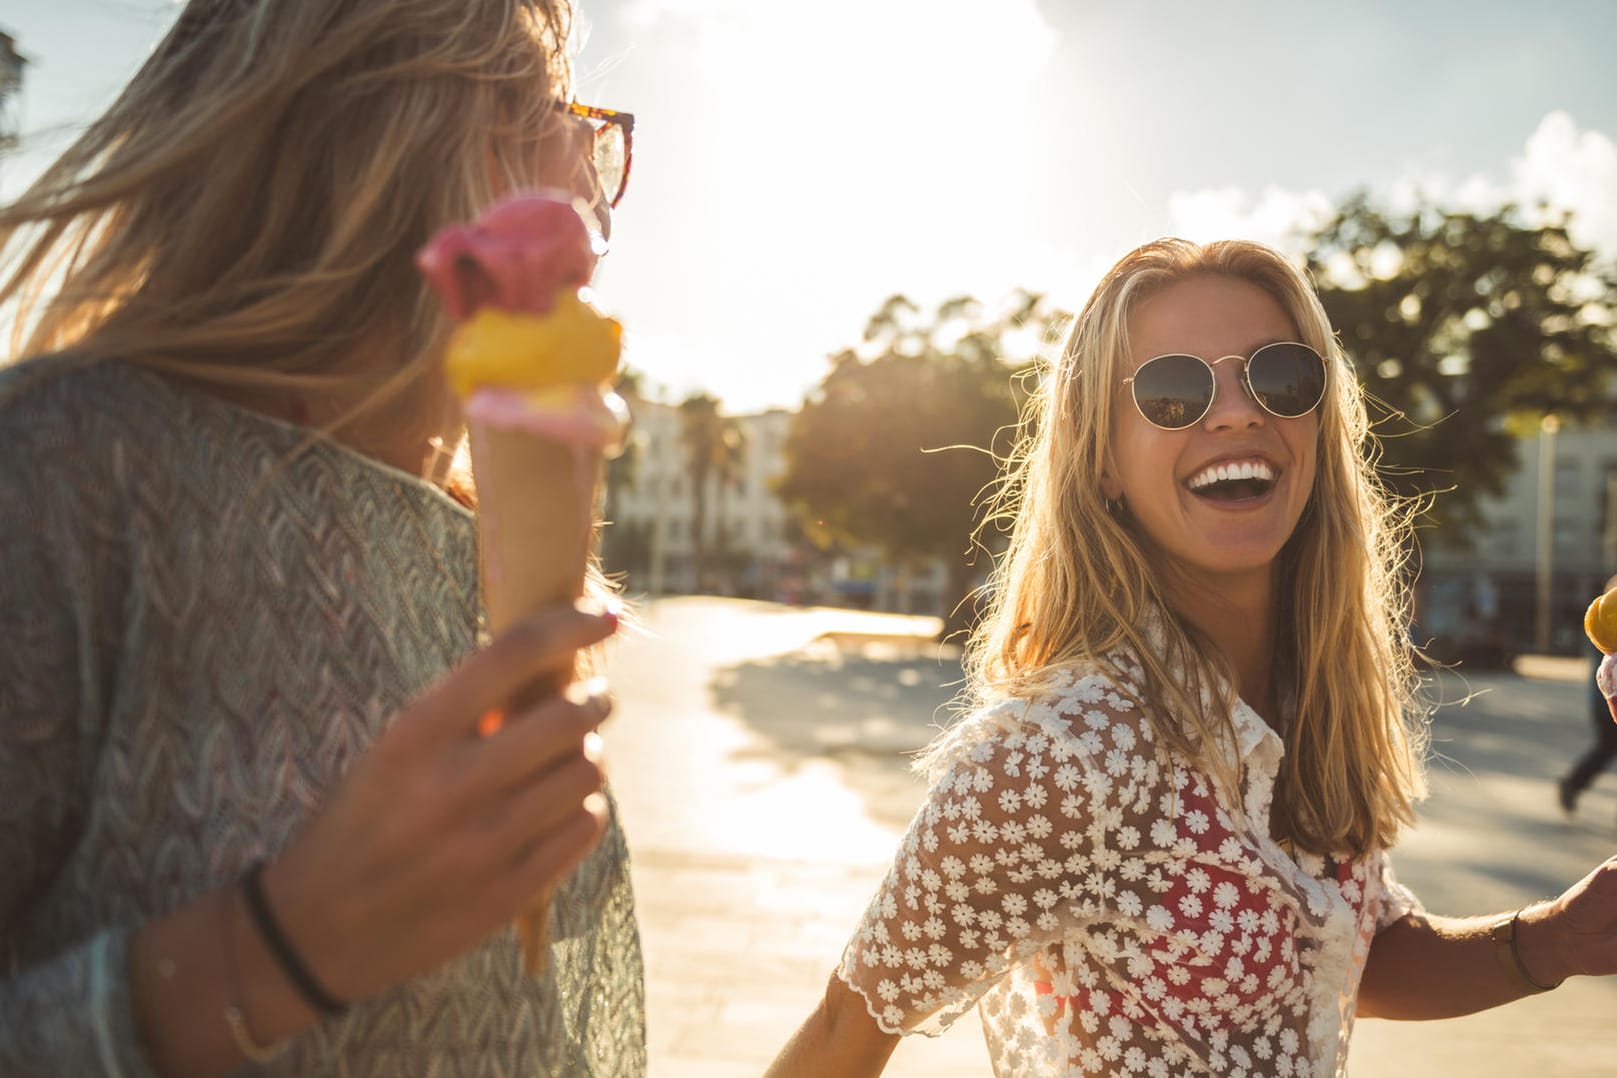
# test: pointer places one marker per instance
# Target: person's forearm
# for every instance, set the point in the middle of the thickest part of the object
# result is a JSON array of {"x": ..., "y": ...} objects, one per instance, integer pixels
[
  {"x": 838, "y": 1038},
  {"x": 1442, "y": 967},
  {"x": 187, "y": 967},
  {"x": 147, "y": 1001}
]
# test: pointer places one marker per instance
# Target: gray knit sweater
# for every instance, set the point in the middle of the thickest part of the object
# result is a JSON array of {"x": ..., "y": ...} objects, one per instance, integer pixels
[{"x": 199, "y": 633}]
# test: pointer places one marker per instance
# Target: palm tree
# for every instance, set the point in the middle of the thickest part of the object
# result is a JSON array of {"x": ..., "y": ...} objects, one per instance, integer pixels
[
  {"x": 702, "y": 435},
  {"x": 11, "y": 64},
  {"x": 727, "y": 471},
  {"x": 621, "y": 474}
]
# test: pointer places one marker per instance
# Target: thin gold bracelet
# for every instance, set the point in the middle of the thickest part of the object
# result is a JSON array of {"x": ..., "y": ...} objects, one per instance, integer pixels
[
  {"x": 246, "y": 1044},
  {"x": 1502, "y": 934},
  {"x": 251, "y": 1049}
]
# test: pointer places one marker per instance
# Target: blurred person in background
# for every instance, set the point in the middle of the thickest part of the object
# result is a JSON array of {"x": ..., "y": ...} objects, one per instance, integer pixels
[
  {"x": 1158, "y": 843},
  {"x": 1601, "y": 751},
  {"x": 248, "y": 814}
]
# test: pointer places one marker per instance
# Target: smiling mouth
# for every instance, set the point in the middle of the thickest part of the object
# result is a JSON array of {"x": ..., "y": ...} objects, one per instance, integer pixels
[{"x": 1233, "y": 482}]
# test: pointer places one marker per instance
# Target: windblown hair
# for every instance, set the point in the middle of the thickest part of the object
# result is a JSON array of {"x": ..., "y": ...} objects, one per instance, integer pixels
[
  {"x": 247, "y": 212},
  {"x": 1076, "y": 585}
]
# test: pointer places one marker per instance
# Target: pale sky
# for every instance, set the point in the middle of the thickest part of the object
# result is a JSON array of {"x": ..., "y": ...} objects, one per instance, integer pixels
[{"x": 797, "y": 163}]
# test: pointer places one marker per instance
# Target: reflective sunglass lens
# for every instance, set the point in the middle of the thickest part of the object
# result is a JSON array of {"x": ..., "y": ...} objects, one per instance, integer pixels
[
  {"x": 1287, "y": 379},
  {"x": 610, "y": 157},
  {"x": 1173, "y": 391}
]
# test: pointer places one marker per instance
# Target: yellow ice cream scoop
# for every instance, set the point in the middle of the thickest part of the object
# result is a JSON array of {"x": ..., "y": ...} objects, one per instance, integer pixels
[
  {"x": 573, "y": 343},
  {"x": 1601, "y": 622}
]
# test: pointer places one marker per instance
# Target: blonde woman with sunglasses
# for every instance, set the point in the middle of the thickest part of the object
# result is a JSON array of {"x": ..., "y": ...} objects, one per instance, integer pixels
[
  {"x": 248, "y": 815},
  {"x": 1159, "y": 843}
]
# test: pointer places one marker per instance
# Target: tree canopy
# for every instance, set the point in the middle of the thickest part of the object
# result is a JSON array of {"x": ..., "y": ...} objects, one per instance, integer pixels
[
  {"x": 895, "y": 445},
  {"x": 1465, "y": 330}
]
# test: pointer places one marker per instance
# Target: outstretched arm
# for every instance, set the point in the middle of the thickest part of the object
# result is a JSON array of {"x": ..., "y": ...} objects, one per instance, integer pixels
[
  {"x": 1441, "y": 967},
  {"x": 839, "y": 1038}
]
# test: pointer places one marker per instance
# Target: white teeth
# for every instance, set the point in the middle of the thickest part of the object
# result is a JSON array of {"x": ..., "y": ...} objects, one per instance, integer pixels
[{"x": 1217, "y": 473}]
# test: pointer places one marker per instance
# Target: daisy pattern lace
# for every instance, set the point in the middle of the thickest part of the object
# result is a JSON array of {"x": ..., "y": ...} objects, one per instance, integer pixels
[{"x": 1086, "y": 890}]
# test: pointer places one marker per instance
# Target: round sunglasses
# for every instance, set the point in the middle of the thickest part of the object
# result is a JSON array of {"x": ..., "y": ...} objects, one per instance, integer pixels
[{"x": 1175, "y": 391}]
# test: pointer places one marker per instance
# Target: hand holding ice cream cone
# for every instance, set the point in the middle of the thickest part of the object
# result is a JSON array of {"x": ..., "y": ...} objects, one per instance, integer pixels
[{"x": 532, "y": 360}]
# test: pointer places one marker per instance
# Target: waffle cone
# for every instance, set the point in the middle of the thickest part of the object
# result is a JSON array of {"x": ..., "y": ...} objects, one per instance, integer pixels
[{"x": 536, "y": 515}]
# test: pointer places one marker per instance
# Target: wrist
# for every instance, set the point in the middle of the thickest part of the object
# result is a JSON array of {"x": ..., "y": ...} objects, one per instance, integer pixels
[
  {"x": 174, "y": 970},
  {"x": 278, "y": 1010},
  {"x": 186, "y": 968},
  {"x": 1542, "y": 953}
]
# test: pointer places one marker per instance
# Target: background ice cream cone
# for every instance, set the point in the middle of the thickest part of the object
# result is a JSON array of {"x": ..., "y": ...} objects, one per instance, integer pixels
[{"x": 1600, "y": 622}]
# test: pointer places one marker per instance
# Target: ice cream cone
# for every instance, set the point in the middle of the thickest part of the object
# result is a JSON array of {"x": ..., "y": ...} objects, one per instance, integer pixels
[
  {"x": 536, "y": 514},
  {"x": 536, "y": 509},
  {"x": 532, "y": 361}
]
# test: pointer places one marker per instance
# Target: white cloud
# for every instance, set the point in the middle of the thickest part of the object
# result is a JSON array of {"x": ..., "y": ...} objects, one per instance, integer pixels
[
  {"x": 1561, "y": 169},
  {"x": 1278, "y": 217},
  {"x": 1571, "y": 170}
]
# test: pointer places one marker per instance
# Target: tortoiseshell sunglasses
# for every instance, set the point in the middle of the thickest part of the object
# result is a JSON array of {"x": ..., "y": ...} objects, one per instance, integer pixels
[{"x": 614, "y": 147}]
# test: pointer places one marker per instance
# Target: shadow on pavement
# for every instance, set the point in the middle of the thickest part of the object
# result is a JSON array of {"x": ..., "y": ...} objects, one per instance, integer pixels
[
  {"x": 1512, "y": 727},
  {"x": 866, "y": 707}
]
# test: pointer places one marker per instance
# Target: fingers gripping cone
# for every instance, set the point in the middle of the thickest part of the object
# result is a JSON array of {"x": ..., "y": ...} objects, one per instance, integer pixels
[{"x": 532, "y": 360}]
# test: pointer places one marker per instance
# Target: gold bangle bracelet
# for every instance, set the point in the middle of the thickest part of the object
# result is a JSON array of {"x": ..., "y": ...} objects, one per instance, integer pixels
[
  {"x": 1502, "y": 934},
  {"x": 251, "y": 1049},
  {"x": 234, "y": 1019}
]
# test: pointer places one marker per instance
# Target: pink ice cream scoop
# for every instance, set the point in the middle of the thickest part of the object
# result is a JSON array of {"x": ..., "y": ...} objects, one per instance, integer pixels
[
  {"x": 531, "y": 351},
  {"x": 517, "y": 256},
  {"x": 1606, "y": 679}
]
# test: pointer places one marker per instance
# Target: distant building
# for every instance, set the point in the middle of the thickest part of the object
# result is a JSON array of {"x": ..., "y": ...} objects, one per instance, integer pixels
[
  {"x": 754, "y": 547},
  {"x": 1486, "y": 599},
  {"x": 1479, "y": 603},
  {"x": 652, "y": 509}
]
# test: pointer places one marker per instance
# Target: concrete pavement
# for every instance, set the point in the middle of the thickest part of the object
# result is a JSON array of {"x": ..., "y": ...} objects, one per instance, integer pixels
[{"x": 758, "y": 754}]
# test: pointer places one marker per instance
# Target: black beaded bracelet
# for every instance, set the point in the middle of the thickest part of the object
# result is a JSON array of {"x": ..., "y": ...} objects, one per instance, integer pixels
[{"x": 316, "y": 997}]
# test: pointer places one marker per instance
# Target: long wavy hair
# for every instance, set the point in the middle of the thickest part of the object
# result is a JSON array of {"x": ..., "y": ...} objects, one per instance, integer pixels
[
  {"x": 246, "y": 214},
  {"x": 1077, "y": 586}
]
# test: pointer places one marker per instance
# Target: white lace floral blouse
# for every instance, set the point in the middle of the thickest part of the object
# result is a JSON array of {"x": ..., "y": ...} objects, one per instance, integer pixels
[{"x": 1086, "y": 890}]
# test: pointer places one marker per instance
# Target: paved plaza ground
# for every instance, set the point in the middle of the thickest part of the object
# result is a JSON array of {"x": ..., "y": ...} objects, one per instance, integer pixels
[{"x": 759, "y": 757}]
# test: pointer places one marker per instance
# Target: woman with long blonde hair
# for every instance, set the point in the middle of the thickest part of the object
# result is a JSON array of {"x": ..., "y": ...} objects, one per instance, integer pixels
[
  {"x": 250, "y": 812},
  {"x": 1158, "y": 843}
]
